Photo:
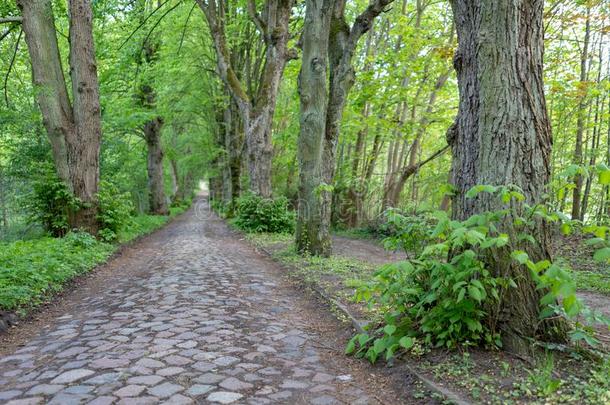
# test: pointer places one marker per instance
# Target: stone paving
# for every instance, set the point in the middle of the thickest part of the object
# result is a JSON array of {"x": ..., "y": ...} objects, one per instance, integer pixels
[{"x": 206, "y": 322}]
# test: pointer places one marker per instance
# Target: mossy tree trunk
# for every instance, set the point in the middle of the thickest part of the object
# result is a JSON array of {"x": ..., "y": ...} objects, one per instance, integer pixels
[
  {"x": 73, "y": 127},
  {"x": 333, "y": 49},
  {"x": 502, "y": 136}
]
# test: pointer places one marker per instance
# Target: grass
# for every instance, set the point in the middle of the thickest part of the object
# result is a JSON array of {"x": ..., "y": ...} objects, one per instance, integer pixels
[
  {"x": 593, "y": 281},
  {"x": 33, "y": 270},
  {"x": 487, "y": 377}
]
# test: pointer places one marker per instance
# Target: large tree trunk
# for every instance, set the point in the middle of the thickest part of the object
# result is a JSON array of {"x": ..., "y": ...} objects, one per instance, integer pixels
[
  {"x": 48, "y": 79},
  {"x": 502, "y": 136},
  {"x": 312, "y": 234},
  {"x": 156, "y": 189},
  {"x": 84, "y": 144},
  {"x": 74, "y": 131}
]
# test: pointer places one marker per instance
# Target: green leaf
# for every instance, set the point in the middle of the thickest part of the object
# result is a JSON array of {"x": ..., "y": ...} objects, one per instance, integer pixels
[
  {"x": 406, "y": 342},
  {"x": 389, "y": 329},
  {"x": 475, "y": 293},
  {"x": 602, "y": 255},
  {"x": 520, "y": 256},
  {"x": 604, "y": 177},
  {"x": 351, "y": 345}
]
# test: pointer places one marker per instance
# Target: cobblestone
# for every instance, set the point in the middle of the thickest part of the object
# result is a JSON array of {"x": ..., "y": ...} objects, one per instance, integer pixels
[{"x": 205, "y": 320}]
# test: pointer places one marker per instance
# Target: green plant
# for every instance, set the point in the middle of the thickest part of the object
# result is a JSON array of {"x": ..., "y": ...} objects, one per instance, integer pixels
[
  {"x": 49, "y": 203},
  {"x": 257, "y": 214},
  {"x": 412, "y": 233},
  {"x": 115, "y": 210},
  {"x": 31, "y": 270},
  {"x": 449, "y": 297}
]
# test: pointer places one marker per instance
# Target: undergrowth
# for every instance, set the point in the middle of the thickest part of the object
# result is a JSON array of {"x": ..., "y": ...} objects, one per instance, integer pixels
[{"x": 32, "y": 270}]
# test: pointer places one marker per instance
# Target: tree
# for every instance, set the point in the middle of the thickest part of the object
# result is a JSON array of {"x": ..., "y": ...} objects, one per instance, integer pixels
[
  {"x": 502, "y": 136},
  {"x": 152, "y": 129},
  {"x": 577, "y": 212},
  {"x": 256, "y": 112},
  {"x": 328, "y": 45},
  {"x": 74, "y": 128}
]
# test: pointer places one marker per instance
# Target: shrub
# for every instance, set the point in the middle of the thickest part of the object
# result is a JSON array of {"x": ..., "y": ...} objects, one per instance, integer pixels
[
  {"x": 411, "y": 233},
  {"x": 31, "y": 270},
  {"x": 256, "y": 214},
  {"x": 448, "y": 297},
  {"x": 115, "y": 210},
  {"x": 49, "y": 204}
]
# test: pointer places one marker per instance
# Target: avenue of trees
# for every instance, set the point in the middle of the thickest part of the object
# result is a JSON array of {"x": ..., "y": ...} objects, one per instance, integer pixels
[{"x": 346, "y": 109}]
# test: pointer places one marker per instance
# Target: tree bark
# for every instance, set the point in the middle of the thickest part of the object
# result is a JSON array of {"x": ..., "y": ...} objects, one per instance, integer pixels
[
  {"x": 48, "y": 79},
  {"x": 580, "y": 120},
  {"x": 156, "y": 188},
  {"x": 74, "y": 131},
  {"x": 312, "y": 234},
  {"x": 502, "y": 136},
  {"x": 256, "y": 112}
]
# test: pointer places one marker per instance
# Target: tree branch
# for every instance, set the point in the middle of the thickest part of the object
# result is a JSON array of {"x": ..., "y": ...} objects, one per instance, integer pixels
[
  {"x": 256, "y": 18},
  {"x": 10, "y": 67},
  {"x": 364, "y": 21},
  {"x": 11, "y": 19},
  {"x": 143, "y": 22},
  {"x": 225, "y": 70}
]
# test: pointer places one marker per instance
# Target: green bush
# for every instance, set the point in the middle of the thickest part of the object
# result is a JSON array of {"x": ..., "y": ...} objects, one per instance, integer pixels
[
  {"x": 411, "y": 233},
  {"x": 256, "y": 214},
  {"x": 115, "y": 210},
  {"x": 49, "y": 203},
  {"x": 449, "y": 297},
  {"x": 31, "y": 270}
]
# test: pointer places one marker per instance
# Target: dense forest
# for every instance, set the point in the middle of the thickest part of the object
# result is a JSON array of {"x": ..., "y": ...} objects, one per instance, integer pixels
[{"x": 472, "y": 136}]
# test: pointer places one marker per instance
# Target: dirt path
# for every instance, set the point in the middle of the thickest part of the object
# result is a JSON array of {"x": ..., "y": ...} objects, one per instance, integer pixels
[{"x": 189, "y": 314}]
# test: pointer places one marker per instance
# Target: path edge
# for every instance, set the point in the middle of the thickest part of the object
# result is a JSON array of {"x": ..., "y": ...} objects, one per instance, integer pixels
[{"x": 359, "y": 326}]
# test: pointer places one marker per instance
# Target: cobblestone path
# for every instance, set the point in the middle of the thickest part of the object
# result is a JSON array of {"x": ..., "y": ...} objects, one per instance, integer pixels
[{"x": 205, "y": 321}]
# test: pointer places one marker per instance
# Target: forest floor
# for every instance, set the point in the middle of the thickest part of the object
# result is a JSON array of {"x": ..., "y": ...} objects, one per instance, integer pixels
[
  {"x": 191, "y": 313},
  {"x": 557, "y": 375}
]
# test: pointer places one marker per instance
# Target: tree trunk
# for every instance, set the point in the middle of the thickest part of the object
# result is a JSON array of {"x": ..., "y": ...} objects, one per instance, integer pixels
[
  {"x": 48, "y": 79},
  {"x": 173, "y": 164},
  {"x": 156, "y": 187},
  {"x": 502, "y": 136},
  {"x": 257, "y": 111},
  {"x": 580, "y": 121},
  {"x": 312, "y": 234},
  {"x": 334, "y": 45},
  {"x": 74, "y": 131}
]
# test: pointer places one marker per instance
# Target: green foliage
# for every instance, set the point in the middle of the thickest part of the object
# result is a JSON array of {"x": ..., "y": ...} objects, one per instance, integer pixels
[
  {"x": 31, "y": 270},
  {"x": 49, "y": 203},
  {"x": 256, "y": 214},
  {"x": 449, "y": 296},
  {"x": 411, "y": 233},
  {"x": 115, "y": 210}
]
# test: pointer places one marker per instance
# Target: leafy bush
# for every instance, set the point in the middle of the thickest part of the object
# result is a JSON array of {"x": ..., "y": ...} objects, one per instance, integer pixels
[
  {"x": 115, "y": 210},
  {"x": 411, "y": 233},
  {"x": 256, "y": 214},
  {"x": 30, "y": 270},
  {"x": 49, "y": 204},
  {"x": 448, "y": 296}
]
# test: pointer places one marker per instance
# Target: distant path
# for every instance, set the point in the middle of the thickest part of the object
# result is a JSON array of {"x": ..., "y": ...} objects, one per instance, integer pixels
[{"x": 191, "y": 314}]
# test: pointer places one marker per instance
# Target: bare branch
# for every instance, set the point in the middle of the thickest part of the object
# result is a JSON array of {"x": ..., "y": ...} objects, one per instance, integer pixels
[
  {"x": 143, "y": 22},
  {"x": 256, "y": 18},
  {"x": 184, "y": 28},
  {"x": 11, "y": 19},
  {"x": 365, "y": 20},
  {"x": 10, "y": 67}
]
